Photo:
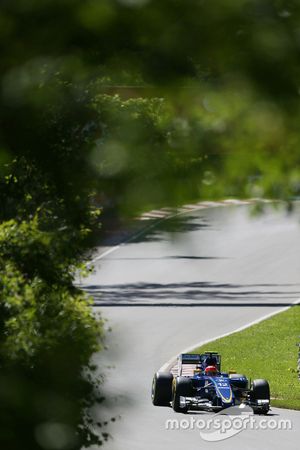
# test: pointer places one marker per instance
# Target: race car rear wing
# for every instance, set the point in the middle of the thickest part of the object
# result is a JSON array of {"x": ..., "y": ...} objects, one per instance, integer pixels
[
  {"x": 199, "y": 360},
  {"x": 190, "y": 358}
]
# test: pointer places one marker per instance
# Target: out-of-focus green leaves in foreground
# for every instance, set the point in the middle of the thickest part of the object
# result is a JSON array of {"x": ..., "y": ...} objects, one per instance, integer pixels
[{"x": 123, "y": 105}]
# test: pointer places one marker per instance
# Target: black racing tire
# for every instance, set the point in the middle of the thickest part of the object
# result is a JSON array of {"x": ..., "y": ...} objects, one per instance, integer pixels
[
  {"x": 239, "y": 384},
  {"x": 182, "y": 386},
  {"x": 260, "y": 391},
  {"x": 162, "y": 389}
]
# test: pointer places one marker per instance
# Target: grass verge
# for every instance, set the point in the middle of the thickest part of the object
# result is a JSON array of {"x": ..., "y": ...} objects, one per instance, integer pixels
[{"x": 266, "y": 350}]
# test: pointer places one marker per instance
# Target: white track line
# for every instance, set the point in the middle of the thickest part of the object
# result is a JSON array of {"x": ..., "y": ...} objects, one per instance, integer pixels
[
  {"x": 131, "y": 238},
  {"x": 198, "y": 206},
  {"x": 169, "y": 364}
]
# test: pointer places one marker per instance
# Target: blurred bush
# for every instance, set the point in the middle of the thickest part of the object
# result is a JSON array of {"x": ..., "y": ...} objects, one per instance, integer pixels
[{"x": 48, "y": 335}]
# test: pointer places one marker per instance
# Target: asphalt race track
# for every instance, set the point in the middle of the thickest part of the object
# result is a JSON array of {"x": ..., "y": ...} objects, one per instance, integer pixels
[{"x": 218, "y": 270}]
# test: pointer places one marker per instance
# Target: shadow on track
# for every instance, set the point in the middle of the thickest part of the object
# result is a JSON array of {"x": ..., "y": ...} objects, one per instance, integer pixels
[
  {"x": 192, "y": 294},
  {"x": 152, "y": 230}
]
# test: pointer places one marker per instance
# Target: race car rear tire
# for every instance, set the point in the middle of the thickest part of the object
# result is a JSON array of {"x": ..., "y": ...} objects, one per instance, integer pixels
[
  {"x": 240, "y": 384},
  {"x": 260, "y": 391},
  {"x": 162, "y": 389},
  {"x": 182, "y": 387}
]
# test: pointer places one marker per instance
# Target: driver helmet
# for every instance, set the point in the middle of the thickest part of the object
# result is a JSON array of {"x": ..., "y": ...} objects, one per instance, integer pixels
[{"x": 211, "y": 371}]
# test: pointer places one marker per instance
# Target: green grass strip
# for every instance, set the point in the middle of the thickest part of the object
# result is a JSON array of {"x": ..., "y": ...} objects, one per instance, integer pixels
[{"x": 266, "y": 350}]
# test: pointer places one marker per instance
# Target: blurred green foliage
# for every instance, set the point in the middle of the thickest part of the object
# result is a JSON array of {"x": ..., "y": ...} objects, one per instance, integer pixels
[
  {"x": 227, "y": 72},
  {"x": 48, "y": 334},
  {"x": 123, "y": 105}
]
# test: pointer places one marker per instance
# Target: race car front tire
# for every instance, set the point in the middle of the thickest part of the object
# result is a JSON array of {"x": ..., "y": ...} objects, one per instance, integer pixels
[
  {"x": 182, "y": 387},
  {"x": 162, "y": 389},
  {"x": 260, "y": 391}
]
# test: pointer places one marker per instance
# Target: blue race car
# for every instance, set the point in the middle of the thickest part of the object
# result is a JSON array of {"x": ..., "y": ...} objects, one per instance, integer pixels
[{"x": 198, "y": 384}]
